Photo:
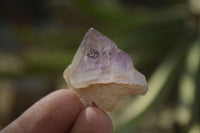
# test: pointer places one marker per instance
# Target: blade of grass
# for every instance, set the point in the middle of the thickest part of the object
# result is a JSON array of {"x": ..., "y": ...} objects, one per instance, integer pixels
[{"x": 188, "y": 109}]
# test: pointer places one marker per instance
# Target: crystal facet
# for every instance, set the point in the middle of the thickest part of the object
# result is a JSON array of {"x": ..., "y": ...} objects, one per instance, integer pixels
[{"x": 102, "y": 74}]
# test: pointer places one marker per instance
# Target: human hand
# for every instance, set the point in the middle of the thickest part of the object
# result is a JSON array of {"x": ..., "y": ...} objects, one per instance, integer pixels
[{"x": 60, "y": 112}]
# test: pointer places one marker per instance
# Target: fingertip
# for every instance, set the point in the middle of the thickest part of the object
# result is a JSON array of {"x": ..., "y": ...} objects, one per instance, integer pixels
[
  {"x": 92, "y": 119},
  {"x": 94, "y": 113}
]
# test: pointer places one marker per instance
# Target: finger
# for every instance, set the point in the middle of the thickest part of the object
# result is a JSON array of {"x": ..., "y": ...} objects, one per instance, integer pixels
[
  {"x": 92, "y": 120},
  {"x": 53, "y": 114}
]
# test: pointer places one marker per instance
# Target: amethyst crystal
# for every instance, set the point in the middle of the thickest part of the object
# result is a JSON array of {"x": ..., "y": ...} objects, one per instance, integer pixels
[{"x": 101, "y": 73}]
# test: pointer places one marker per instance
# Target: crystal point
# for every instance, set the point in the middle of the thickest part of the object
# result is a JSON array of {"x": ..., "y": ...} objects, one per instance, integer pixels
[{"x": 102, "y": 73}]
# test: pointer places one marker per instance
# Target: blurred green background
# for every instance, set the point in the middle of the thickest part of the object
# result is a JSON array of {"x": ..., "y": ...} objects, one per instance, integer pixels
[{"x": 39, "y": 38}]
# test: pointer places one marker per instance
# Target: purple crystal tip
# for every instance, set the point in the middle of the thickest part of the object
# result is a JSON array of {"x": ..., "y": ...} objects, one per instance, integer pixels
[{"x": 98, "y": 60}]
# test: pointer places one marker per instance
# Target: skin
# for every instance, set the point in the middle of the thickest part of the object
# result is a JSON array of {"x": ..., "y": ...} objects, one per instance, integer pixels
[{"x": 60, "y": 112}]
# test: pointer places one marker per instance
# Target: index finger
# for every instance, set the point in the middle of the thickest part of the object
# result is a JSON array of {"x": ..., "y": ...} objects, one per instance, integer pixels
[{"x": 54, "y": 113}]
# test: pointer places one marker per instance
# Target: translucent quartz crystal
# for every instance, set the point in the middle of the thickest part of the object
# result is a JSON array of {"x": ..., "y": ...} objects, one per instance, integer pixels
[{"x": 102, "y": 74}]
